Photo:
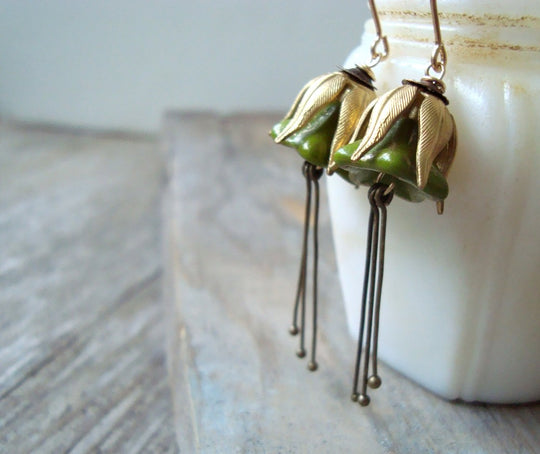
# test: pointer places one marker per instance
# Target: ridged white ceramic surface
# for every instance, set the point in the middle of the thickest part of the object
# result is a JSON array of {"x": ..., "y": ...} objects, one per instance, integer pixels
[{"x": 461, "y": 297}]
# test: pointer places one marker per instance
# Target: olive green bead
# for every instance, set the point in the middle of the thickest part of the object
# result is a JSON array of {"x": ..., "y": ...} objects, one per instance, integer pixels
[{"x": 394, "y": 157}]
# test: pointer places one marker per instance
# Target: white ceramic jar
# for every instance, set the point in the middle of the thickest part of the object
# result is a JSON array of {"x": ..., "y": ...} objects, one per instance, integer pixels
[{"x": 461, "y": 296}]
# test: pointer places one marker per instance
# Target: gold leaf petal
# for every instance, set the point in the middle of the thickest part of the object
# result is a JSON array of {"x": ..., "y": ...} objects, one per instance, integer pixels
[
  {"x": 386, "y": 111},
  {"x": 323, "y": 93},
  {"x": 320, "y": 81},
  {"x": 446, "y": 157},
  {"x": 353, "y": 104},
  {"x": 440, "y": 206},
  {"x": 301, "y": 100},
  {"x": 361, "y": 126},
  {"x": 296, "y": 102},
  {"x": 435, "y": 129}
]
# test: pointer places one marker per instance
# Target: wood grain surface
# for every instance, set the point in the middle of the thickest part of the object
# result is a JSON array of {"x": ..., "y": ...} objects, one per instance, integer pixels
[
  {"x": 233, "y": 215},
  {"x": 82, "y": 362}
]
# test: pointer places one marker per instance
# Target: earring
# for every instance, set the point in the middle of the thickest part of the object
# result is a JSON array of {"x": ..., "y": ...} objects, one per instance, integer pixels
[
  {"x": 404, "y": 145},
  {"x": 323, "y": 119}
]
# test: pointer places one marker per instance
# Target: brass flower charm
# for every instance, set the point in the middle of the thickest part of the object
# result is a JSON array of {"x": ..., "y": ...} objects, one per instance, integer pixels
[
  {"x": 351, "y": 89},
  {"x": 419, "y": 101}
]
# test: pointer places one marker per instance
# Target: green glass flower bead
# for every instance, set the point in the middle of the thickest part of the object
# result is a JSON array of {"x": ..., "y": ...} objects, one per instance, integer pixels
[
  {"x": 406, "y": 137},
  {"x": 312, "y": 141},
  {"x": 394, "y": 157}
]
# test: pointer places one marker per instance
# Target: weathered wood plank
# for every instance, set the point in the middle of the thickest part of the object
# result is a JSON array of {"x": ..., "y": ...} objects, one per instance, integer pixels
[
  {"x": 232, "y": 235},
  {"x": 82, "y": 365}
]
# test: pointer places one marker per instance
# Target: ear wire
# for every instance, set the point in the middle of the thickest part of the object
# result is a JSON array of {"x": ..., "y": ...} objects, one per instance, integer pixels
[
  {"x": 378, "y": 54},
  {"x": 438, "y": 56}
]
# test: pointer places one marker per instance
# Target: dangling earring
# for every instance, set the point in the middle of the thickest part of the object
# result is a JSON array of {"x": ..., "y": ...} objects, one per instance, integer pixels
[
  {"x": 322, "y": 119},
  {"x": 404, "y": 144}
]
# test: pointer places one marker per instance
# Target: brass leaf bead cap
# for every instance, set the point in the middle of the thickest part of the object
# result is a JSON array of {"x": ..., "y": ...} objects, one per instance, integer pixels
[
  {"x": 424, "y": 103},
  {"x": 306, "y": 124}
]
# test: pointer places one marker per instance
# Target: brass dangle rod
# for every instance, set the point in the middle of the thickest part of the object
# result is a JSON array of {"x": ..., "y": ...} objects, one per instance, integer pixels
[
  {"x": 300, "y": 300},
  {"x": 360, "y": 344},
  {"x": 374, "y": 381},
  {"x": 363, "y": 398},
  {"x": 313, "y": 363},
  {"x": 379, "y": 196},
  {"x": 312, "y": 175}
]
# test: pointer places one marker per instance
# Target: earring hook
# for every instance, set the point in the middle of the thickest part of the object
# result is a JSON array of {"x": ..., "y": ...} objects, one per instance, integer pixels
[
  {"x": 438, "y": 56},
  {"x": 377, "y": 55}
]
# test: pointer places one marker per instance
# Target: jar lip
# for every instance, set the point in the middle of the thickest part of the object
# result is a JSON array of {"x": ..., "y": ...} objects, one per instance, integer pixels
[
  {"x": 520, "y": 13},
  {"x": 474, "y": 41},
  {"x": 463, "y": 18}
]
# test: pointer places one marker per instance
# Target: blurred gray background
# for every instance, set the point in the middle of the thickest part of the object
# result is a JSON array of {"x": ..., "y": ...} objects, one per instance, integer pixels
[{"x": 119, "y": 64}]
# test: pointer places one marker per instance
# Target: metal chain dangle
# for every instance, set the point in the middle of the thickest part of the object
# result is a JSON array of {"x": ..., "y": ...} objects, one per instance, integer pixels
[
  {"x": 312, "y": 174},
  {"x": 379, "y": 195}
]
